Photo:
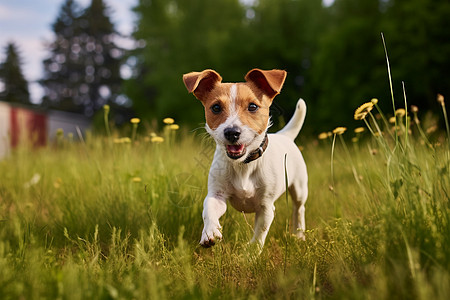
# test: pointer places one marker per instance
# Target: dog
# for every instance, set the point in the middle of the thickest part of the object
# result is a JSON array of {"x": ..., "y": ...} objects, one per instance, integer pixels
[{"x": 250, "y": 167}]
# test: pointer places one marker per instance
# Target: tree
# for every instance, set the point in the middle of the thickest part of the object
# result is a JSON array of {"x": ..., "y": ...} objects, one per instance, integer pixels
[
  {"x": 83, "y": 70},
  {"x": 349, "y": 65},
  {"x": 181, "y": 36},
  {"x": 15, "y": 86}
]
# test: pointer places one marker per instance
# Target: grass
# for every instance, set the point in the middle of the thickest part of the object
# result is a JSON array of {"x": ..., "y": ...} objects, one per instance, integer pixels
[{"x": 120, "y": 218}]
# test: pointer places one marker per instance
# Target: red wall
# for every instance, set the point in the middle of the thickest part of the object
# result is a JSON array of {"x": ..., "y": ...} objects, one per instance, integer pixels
[{"x": 27, "y": 126}]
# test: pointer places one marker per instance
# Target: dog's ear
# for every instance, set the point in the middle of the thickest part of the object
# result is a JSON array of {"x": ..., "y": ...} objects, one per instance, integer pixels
[
  {"x": 270, "y": 82},
  {"x": 200, "y": 83}
]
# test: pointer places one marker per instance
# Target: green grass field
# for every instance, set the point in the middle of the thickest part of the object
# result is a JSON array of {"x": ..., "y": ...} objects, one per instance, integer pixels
[{"x": 111, "y": 218}]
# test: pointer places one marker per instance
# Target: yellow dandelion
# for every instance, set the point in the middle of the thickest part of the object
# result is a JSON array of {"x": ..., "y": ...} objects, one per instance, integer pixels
[
  {"x": 174, "y": 126},
  {"x": 392, "y": 120},
  {"x": 58, "y": 182},
  {"x": 401, "y": 112},
  {"x": 157, "y": 139},
  {"x": 125, "y": 140},
  {"x": 339, "y": 130},
  {"x": 323, "y": 135},
  {"x": 440, "y": 99},
  {"x": 136, "y": 179},
  {"x": 168, "y": 121},
  {"x": 359, "y": 130},
  {"x": 135, "y": 121},
  {"x": 354, "y": 139},
  {"x": 60, "y": 132},
  {"x": 362, "y": 111},
  {"x": 374, "y": 101}
]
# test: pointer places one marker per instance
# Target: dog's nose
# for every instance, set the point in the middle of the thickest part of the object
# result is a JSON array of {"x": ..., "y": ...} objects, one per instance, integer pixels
[{"x": 232, "y": 134}]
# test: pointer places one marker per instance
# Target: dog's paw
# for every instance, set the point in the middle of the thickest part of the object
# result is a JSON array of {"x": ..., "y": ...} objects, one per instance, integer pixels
[{"x": 210, "y": 236}]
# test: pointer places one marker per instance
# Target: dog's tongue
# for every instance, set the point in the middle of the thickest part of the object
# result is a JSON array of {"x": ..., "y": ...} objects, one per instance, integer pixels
[{"x": 235, "y": 148}]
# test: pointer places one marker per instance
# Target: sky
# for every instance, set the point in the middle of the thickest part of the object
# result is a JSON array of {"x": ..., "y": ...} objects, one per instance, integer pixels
[{"x": 28, "y": 24}]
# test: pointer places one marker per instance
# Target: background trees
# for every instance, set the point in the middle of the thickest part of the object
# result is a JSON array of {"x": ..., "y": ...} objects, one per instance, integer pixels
[
  {"x": 14, "y": 85},
  {"x": 334, "y": 55},
  {"x": 82, "y": 72}
]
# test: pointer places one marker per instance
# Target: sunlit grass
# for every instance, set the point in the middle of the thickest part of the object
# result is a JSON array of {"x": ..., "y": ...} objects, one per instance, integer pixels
[{"x": 119, "y": 216}]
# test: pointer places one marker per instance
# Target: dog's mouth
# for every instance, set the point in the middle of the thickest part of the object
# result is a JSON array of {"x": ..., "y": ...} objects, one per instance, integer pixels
[{"x": 235, "y": 151}]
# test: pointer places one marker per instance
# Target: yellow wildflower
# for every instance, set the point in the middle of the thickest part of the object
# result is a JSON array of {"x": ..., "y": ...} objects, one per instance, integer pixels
[
  {"x": 414, "y": 109},
  {"x": 174, "y": 127},
  {"x": 136, "y": 179},
  {"x": 57, "y": 183},
  {"x": 354, "y": 139},
  {"x": 323, "y": 135},
  {"x": 157, "y": 139},
  {"x": 106, "y": 108},
  {"x": 374, "y": 100},
  {"x": 339, "y": 130},
  {"x": 359, "y": 130},
  {"x": 362, "y": 111},
  {"x": 135, "y": 121},
  {"x": 440, "y": 99},
  {"x": 401, "y": 112},
  {"x": 392, "y": 120},
  {"x": 168, "y": 121},
  {"x": 125, "y": 140}
]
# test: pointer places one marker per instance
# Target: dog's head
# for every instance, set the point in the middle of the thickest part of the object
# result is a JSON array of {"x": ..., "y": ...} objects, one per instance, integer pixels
[{"x": 237, "y": 114}]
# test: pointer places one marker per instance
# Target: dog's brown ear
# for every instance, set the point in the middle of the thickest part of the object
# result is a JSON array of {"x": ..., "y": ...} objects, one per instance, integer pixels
[
  {"x": 270, "y": 82},
  {"x": 200, "y": 83}
]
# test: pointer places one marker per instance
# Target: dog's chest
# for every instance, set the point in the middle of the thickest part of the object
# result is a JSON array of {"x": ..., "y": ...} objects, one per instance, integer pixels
[{"x": 244, "y": 192}]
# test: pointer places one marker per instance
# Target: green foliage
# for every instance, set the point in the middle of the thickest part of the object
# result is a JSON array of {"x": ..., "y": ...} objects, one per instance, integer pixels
[
  {"x": 333, "y": 55},
  {"x": 15, "y": 86},
  {"x": 120, "y": 217}
]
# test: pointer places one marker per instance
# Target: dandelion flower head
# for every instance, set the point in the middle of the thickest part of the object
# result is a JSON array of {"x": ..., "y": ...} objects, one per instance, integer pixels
[
  {"x": 401, "y": 112},
  {"x": 440, "y": 99},
  {"x": 362, "y": 111},
  {"x": 323, "y": 136},
  {"x": 339, "y": 130},
  {"x": 157, "y": 139},
  {"x": 135, "y": 121},
  {"x": 359, "y": 130},
  {"x": 168, "y": 121}
]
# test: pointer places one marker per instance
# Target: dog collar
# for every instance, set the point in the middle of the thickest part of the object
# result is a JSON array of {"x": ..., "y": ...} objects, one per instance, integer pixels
[{"x": 258, "y": 152}]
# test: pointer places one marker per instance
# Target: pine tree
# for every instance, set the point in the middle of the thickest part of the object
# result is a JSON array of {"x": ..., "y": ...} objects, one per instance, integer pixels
[
  {"x": 15, "y": 86},
  {"x": 83, "y": 71}
]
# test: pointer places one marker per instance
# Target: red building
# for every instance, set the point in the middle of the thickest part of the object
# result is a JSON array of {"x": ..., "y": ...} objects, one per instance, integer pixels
[{"x": 22, "y": 125}]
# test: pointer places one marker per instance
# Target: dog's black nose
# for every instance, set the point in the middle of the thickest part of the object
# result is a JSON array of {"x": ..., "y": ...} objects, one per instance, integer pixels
[{"x": 232, "y": 134}]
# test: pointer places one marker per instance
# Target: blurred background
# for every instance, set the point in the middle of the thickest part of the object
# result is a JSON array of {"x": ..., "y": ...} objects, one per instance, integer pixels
[{"x": 76, "y": 56}]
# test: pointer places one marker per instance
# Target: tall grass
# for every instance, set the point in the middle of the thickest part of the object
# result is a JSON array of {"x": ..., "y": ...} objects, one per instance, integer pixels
[{"x": 115, "y": 217}]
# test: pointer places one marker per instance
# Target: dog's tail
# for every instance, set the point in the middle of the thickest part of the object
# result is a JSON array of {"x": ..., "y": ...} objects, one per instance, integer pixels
[{"x": 294, "y": 125}]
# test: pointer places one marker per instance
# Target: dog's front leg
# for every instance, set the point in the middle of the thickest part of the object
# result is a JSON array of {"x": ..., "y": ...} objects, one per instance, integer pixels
[
  {"x": 214, "y": 207},
  {"x": 263, "y": 219}
]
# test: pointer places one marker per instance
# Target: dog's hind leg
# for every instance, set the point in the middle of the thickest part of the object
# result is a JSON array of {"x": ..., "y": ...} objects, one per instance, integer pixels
[{"x": 299, "y": 194}]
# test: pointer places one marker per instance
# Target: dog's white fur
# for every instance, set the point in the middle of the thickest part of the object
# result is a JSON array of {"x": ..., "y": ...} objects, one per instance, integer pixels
[{"x": 254, "y": 187}]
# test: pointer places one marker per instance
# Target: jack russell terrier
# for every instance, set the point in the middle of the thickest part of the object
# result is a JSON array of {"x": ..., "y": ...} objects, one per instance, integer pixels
[{"x": 249, "y": 165}]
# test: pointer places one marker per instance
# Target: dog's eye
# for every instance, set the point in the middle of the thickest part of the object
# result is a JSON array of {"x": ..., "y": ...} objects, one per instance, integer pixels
[
  {"x": 216, "y": 108},
  {"x": 252, "y": 107}
]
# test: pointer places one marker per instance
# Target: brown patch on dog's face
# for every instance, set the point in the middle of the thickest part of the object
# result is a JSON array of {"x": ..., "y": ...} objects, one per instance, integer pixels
[{"x": 249, "y": 100}]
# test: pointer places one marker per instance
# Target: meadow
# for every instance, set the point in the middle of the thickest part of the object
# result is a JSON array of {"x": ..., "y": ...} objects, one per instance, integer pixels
[{"x": 118, "y": 216}]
